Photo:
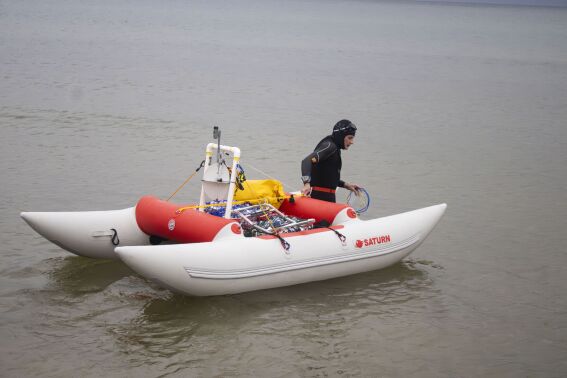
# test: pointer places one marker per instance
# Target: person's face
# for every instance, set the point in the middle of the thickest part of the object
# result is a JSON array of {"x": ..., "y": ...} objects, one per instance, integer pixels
[{"x": 349, "y": 140}]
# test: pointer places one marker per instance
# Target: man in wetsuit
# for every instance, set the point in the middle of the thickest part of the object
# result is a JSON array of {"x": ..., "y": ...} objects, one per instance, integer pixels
[{"x": 321, "y": 170}]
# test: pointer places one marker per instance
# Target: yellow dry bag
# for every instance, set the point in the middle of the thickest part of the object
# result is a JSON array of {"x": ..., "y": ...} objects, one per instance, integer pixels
[{"x": 257, "y": 191}]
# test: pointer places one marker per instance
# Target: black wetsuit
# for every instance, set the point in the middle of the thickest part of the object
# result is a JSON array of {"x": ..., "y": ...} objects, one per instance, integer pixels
[{"x": 322, "y": 169}]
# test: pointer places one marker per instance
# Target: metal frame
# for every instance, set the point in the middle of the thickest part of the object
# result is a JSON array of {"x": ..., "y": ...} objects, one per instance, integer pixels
[{"x": 262, "y": 209}]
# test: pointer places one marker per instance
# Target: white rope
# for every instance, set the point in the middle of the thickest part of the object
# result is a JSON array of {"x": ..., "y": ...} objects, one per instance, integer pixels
[{"x": 270, "y": 177}]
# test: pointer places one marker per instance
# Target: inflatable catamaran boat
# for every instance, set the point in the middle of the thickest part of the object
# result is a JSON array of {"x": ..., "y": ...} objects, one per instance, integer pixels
[{"x": 244, "y": 235}]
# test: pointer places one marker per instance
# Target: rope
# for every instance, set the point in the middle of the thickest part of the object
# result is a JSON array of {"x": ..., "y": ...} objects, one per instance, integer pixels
[
  {"x": 259, "y": 200},
  {"x": 362, "y": 201},
  {"x": 283, "y": 242},
  {"x": 186, "y": 181},
  {"x": 268, "y": 176},
  {"x": 341, "y": 237}
]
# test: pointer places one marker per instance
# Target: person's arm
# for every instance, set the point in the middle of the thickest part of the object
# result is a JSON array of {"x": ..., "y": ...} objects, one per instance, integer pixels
[
  {"x": 352, "y": 187},
  {"x": 306, "y": 166}
]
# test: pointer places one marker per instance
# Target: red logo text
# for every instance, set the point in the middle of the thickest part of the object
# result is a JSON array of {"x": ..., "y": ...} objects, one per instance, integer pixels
[{"x": 372, "y": 241}]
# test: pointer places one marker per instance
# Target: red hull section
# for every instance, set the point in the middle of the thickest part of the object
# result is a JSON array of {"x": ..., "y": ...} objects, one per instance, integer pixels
[
  {"x": 159, "y": 218},
  {"x": 305, "y": 207}
]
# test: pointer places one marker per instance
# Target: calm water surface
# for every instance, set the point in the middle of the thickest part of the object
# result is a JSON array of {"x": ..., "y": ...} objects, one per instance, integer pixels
[{"x": 104, "y": 102}]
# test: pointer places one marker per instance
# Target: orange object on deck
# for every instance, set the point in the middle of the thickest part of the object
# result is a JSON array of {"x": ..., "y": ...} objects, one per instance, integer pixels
[
  {"x": 305, "y": 208},
  {"x": 159, "y": 218}
]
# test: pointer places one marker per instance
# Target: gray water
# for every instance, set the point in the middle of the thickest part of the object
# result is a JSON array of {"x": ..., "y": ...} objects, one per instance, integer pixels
[{"x": 103, "y": 102}]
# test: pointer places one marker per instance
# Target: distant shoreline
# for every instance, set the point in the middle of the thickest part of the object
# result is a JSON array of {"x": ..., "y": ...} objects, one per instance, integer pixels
[{"x": 525, "y": 3}]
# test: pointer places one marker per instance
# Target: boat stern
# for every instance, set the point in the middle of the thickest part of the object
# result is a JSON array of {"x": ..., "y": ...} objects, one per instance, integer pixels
[{"x": 92, "y": 234}]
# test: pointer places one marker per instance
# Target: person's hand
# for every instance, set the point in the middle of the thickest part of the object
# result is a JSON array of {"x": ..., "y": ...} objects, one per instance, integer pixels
[
  {"x": 353, "y": 188},
  {"x": 306, "y": 191}
]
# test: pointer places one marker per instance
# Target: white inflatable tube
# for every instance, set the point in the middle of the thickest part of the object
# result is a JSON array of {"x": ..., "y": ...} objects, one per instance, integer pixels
[
  {"x": 88, "y": 233},
  {"x": 236, "y": 265}
]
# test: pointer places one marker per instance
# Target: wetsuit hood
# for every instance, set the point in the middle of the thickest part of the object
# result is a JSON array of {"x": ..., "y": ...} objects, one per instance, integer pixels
[
  {"x": 341, "y": 130},
  {"x": 339, "y": 140}
]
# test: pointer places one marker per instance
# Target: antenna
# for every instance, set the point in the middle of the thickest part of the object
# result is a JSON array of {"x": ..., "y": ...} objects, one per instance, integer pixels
[{"x": 217, "y": 135}]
